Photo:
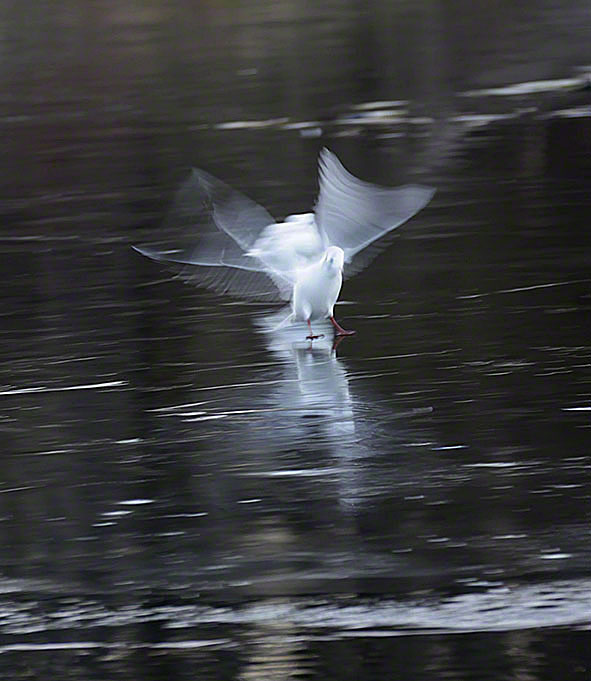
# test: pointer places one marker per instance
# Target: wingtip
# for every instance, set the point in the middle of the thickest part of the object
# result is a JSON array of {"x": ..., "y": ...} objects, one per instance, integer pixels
[
  {"x": 147, "y": 253},
  {"x": 426, "y": 192},
  {"x": 328, "y": 162},
  {"x": 423, "y": 197},
  {"x": 325, "y": 155}
]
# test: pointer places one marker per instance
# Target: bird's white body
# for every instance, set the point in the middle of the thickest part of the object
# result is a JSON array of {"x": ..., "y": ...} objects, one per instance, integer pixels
[
  {"x": 288, "y": 245},
  {"x": 317, "y": 287}
]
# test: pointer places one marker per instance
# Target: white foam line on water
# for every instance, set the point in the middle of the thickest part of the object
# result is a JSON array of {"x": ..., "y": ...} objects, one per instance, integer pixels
[
  {"x": 204, "y": 416},
  {"x": 527, "y": 88},
  {"x": 87, "y": 645},
  {"x": 493, "y": 464},
  {"x": 46, "y": 389},
  {"x": 519, "y": 289},
  {"x": 302, "y": 125},
  {"x": 573, "y": 112},
  {"x": 476, "y": 120},
  {"x": 38, "y": 647},
  {"x": 188, "y": 645},
  {"x": 39, "y": 237},
  {"x": 73, "y": 359},
  {"x": 246, "y": 125},
  {"x": 408, "y": 355},
  {"x": 50, "y": 452},
  {"x": 177, "y": 406},
  {"x": 368, "y": 106},
  {"x": 211, "y": 417},
  {"x": 17, "y": 489},
  {"x": 303, "y": 472}
]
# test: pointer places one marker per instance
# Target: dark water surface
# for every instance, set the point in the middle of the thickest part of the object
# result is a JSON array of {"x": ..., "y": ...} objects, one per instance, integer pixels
[{"x": 185, "y": 494}]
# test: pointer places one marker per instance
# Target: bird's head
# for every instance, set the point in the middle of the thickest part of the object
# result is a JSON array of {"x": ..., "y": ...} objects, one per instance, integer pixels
[{"x": 334, "y": 259}]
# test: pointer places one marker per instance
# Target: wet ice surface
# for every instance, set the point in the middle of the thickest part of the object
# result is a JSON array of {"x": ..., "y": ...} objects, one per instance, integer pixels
[{"x": 184, "y": 491}]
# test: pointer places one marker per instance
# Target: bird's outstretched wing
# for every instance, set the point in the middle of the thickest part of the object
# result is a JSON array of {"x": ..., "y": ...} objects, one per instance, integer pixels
[
  {"x": 354, "y": 214},
  {"x": 236, "y": 247},
  {"x": 243, "y": 282},
  {"x": 221, "y": 224}
]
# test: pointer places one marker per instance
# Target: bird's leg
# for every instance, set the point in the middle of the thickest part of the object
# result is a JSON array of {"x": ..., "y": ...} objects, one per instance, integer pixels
[
  {"x": 312, "y": 336},
  {"x": 339, "y": 329}
]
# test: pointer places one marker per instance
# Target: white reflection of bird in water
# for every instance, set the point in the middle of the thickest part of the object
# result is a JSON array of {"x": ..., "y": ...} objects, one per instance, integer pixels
[
  {"x": 238, "y": 248},
  {"x": 321, "y": 391},
  {"x": 273, "y": 648},
  {"x": 316, "y": 411}
]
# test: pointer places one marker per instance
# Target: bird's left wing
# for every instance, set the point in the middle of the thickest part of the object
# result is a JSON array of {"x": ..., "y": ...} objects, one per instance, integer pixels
[
  {"x": 219, "y": 224},
  {"x": 354, "y": 214}
]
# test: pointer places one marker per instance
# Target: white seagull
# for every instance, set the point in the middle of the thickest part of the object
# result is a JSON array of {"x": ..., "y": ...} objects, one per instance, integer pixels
[{"x": 242, "y": 251}]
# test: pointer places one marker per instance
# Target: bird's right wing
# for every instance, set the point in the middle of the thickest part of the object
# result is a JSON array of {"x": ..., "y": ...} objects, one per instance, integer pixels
[
  {"x": 354, "y": 214},
  {"x": 224, "y": 224}
]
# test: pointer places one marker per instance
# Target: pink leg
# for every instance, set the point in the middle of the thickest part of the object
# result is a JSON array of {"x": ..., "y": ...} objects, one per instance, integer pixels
[
  {"x": 339, "y": 329},
  {"x": 312, "y": 336}
]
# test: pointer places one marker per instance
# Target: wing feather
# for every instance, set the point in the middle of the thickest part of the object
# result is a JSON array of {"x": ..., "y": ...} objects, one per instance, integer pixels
[
  {"x": 224, "y": 223},
  {"x": 243, "y": 282},
  {"x": 354, "y": 214},
  {"x": 240, "y": 250}
]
